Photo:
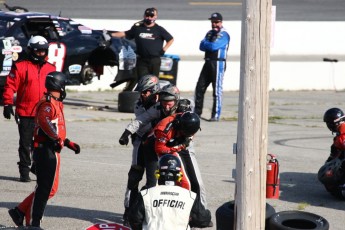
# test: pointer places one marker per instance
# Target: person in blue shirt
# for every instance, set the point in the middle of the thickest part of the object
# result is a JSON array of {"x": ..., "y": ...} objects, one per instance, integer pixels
[{"x": 215, "y": 45}]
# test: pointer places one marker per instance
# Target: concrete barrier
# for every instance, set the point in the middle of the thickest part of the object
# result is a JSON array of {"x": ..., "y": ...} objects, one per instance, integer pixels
[{"x": 297, "y": 53}]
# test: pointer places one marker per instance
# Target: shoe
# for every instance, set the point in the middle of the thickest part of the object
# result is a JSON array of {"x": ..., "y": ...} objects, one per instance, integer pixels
[
  {"x": 125, "y": 218},
  {"x": 25, "y": 178},
  {"x": 213, "y": 119},
  {"x": 17, "y": 216}
]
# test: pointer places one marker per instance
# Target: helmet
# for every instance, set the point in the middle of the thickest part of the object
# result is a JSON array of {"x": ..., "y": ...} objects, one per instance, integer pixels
[
  {"x": 170, "y": 93},
  {"x": 37, "y": 43},
  {"x": 57, "y": 81},
  {"x": 330, "y": 172},
  {"x": 169, "y": 170},
  {"x": 188, "y": 123},
  {"x": 333, "y": 117},
  {"x": 148, "y": 82}
]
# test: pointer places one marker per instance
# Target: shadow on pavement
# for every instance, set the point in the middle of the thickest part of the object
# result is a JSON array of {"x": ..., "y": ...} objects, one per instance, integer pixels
[
  {"x": 305, "y": 188},
  {"x": 92, "y": 216}
]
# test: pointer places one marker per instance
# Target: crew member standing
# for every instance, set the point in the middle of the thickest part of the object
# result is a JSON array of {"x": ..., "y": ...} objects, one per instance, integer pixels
[
  {"x": 149, "y": 38},
  {"x": 215, "y": 45},
  {"x": 49, "y": 139},
  {"x": 27, "y": 79}
]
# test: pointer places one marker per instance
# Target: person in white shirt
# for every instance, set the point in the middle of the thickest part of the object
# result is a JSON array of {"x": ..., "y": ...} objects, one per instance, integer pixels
[{"x": 168, "y": 206}]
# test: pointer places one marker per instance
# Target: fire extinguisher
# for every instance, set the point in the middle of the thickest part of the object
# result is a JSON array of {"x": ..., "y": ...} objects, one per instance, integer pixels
[{"x": 272, "y": 179}]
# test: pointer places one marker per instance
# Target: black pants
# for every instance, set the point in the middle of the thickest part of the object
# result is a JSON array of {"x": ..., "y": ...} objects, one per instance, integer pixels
[
  {"x": 144, "y": 67},
  {"x": 26, "y": 129},
  {"x": 212, "y": 72},
  {"x": 47, "y": 171}
]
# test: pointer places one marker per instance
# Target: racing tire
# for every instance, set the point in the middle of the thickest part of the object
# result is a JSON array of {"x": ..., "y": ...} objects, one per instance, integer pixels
[
  {"x": 126, "y": 101},
  {"x": 225, "y": 215},
  {"x": 289, "y": 220}
]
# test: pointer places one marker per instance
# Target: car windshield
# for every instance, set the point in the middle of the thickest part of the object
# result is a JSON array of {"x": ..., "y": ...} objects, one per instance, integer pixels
[{"x": 4, "y": 26}]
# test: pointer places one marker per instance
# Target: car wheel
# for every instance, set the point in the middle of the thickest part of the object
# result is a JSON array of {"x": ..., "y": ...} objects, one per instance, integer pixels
[
  {"x": 289, "y": 220},
  {"x": 225, "y": 215},
  {"x": 126, "y": 101}
]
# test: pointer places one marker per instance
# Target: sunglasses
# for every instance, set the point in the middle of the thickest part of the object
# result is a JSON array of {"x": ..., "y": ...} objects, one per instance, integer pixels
[
  {"x": 149, "y": 15},
  {"x": 146, "y": 91}
]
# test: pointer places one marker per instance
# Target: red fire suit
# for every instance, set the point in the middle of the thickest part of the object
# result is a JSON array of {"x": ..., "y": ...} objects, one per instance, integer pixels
[
  {"x": 165, "y": 132},
  {"x": 49, "y": 134},
  {"x": 27, "y": 79}
]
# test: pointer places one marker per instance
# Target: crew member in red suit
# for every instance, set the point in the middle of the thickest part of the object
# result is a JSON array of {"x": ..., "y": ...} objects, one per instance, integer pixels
[
  {"x": 49, "y": 139},
  {"x": 27, "y": 79}
]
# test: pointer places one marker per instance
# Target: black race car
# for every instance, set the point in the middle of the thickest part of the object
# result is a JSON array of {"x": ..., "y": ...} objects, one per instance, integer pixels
[{"x": 78, "y": 51}]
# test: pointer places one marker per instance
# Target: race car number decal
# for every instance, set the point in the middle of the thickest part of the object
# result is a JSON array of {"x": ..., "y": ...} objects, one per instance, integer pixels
[{"x": 57, "y": 54}]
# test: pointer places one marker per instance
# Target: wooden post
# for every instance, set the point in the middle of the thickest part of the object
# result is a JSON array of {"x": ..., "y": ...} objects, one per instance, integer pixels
[{"x": 251, "y": 148}]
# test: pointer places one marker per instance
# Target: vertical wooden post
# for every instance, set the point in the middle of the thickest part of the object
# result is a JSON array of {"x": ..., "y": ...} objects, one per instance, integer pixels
[{"x": 251, "y": 148}]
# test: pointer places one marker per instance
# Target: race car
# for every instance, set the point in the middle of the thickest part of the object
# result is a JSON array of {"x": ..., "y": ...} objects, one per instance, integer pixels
[{"x": 78, "y": 51}]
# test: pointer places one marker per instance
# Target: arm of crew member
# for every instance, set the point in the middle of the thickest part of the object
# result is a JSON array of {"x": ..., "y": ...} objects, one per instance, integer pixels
[
  {"x": 168, "y": 44},
  {"x": 119, "y": 34}
]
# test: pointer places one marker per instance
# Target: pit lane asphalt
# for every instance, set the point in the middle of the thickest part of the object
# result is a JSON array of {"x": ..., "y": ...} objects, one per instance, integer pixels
[{"x": 92, "y": 184}]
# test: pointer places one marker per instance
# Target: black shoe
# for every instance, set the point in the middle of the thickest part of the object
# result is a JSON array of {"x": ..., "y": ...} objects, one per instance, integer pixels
[
  {"x": 125, "y": 219},
  {"x": 17, "y": 216},
  {"x": 25, "y": 178},
  {"x": 213, "y": 119}
]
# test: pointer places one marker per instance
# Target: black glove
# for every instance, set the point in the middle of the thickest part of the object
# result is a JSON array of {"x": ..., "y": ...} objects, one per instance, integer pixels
[
  {"x": 162, "y": 52},
  {"x": 124, "y": 139},
  {"x": 72, "y": 146},
  {"x": 8, "y": 110},
  {"x": 58, "y": 145},
  {"x": 212, "y": 35},
  {"x": 183, "y": 106}
]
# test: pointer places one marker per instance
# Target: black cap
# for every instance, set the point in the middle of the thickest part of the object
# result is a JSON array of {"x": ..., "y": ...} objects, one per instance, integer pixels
[
  {"x": 149, "y": 12},
  {"x": 216, "y": 16}
]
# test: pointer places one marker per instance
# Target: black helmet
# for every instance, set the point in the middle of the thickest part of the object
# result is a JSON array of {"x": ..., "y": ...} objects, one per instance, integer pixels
[
  {"x": 170, "y": 93},
  {"x": 56, "y": 81},
  {"x": 188, "y": 123},
  {"x": 169, "y": 169},
  {"x": 333, "y": 117},
  {"x": 330, "y": 172},
  {"x": 37, "y": 43}
]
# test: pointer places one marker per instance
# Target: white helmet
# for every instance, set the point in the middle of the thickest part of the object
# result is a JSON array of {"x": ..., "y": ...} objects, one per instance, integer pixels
[{"x": 37, "y": 43}]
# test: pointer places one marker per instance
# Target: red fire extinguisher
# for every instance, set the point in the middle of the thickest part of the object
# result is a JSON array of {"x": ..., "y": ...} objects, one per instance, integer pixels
[{"x": 272, "y": 180}]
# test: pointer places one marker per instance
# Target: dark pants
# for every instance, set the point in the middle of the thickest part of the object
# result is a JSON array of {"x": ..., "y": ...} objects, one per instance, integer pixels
[
  {"x": 212, "y": 72},
  {"x": 47, "y": 169},
  {"x": 26, "y": 129},
  {"x": 144, "y": 67}
]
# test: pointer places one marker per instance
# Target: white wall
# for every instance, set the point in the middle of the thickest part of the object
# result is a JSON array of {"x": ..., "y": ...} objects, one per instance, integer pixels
[{"x": 303, "y": 39}]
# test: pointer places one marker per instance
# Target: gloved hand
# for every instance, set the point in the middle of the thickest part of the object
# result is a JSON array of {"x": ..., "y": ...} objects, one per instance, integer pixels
[
  {"x": 8, "y": 110},
  {"x": 124, "y": 139},
  {"x": 183, "y": 106},
  {"x": 58, "y": 145},
  {"x": 72, "y": 146},
  {"x": 162, "y": 52},
  {"x": 212, "y": 35}
]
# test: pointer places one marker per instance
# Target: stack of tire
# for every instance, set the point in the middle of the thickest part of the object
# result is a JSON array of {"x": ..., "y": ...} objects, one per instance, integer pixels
[{"x": 285, "y": 220}]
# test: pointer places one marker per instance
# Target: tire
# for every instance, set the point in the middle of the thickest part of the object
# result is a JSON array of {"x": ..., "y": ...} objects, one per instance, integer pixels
[
  {"x": 126, "y": 101},
  {"x": 225, "y": 215},
  {"x": 289, "y": 220}
]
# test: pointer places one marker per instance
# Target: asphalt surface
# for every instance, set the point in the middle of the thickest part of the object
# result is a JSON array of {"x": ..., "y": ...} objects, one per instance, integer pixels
[{"x": 92, "y": 184}]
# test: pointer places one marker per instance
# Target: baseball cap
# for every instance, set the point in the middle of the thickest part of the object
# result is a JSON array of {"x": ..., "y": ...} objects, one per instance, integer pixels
[
  {"x": 216, "y": 16},
  {"x": 149, "y": 12}
]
